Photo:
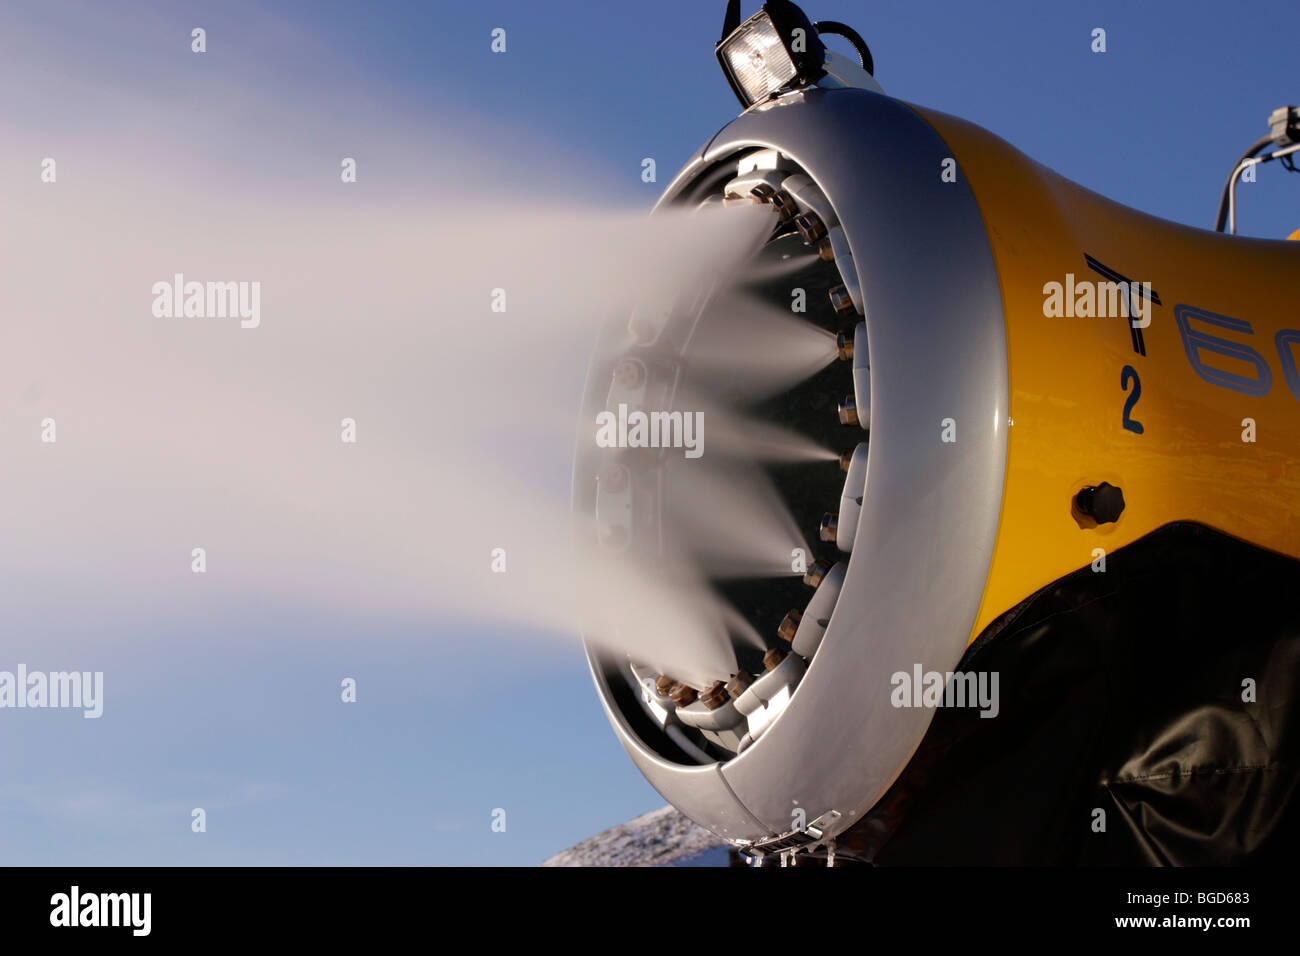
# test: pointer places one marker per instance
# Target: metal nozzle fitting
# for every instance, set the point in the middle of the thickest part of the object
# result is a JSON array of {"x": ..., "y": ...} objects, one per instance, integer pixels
[
  {"x": 826, "y": 250},
  {"x": 784, "y": 204},
  {"x": 664, "y": 686},
  {"x": 830, "y": 523},
  {"x": 683, "y": 695},
  {"x": 762, "y": 192},
  {"x": 844, "y": 345},
  {"x": 810, "y": 226},
  {"x": 773, "y": 658},
  {"x": 736, "y": 686},
  {"x": 841, "y": 300},
  {"x": 789, "y": 624},
  {"x": 848, "y": 410},
  {"x": 714, "y": 696},
  {"x": 818, "y": 571},
  {"x": 846, "y": 459}
]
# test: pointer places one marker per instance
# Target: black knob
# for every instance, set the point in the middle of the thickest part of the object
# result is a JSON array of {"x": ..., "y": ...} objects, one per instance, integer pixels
[{"x": 1104, "y": 502}]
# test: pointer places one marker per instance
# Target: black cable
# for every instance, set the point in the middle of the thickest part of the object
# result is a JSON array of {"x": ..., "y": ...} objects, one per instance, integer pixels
[
  {"x": 1222, "y": 219},
  {"x": 835, "y": 28}
]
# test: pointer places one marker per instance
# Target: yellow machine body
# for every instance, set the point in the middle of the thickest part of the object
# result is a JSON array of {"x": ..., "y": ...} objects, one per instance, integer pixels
[{"x": 1196, "y": 416}]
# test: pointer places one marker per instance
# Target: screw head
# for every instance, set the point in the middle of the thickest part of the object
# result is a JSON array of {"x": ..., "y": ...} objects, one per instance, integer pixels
[{"x": 629, "y": 373}]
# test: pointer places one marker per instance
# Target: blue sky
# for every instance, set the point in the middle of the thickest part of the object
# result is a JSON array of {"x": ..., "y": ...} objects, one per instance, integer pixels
[
  {"x": 234, "y": 707},
  {"x": 1155, "y": 122}
]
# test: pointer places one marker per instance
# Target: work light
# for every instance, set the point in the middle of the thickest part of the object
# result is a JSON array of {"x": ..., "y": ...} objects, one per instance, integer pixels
[{"x": 774, "y": 49}]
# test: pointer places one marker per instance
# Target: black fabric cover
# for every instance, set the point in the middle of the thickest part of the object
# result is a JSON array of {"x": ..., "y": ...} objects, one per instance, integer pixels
[{"x": 1120, "y": 691}]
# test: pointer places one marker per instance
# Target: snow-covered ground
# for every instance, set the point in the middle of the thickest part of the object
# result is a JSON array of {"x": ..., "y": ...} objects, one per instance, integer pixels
[{"x": 663, "y": 837}]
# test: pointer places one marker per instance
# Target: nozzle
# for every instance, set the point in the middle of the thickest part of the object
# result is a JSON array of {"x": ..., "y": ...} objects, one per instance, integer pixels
[
  {"x": 784, "y": 204},
  {"x": 790, "y": 624},
  {"x": 844, "y": 345},
  {"x": 830, "y": 523},
  {"x": 817, "y": 572},
  {"x": 714, "y": 696},
  {"x": 682, "y": 694},
  {"x": 781, "y": 200},
  {"x": 664, "y": 686},
  {"x": 826, "y": 250},
  {"x": 848, "y": 411},
  {"x": 841, "y": 301},
  {"x": 736, "y": 686},
  {"x": 810, "y": 226},
  {"x": 846, "y": 459},
  {"x": 773, "y": 658}
]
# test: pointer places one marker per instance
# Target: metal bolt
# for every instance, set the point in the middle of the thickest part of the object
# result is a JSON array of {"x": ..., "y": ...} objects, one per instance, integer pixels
[
  {"x": 629, "y": 373},
  {"x": 1104, "y": 502}
]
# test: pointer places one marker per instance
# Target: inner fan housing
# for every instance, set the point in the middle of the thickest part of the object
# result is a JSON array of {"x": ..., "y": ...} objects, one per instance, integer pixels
[{"x": 700, "y": 725}]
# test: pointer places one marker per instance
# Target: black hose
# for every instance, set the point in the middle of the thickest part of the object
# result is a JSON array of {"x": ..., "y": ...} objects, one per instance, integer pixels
[
  {"x": 835, "y": 28},
  {"x": 1222, "y": 219},
  {"x": 730, "y": 20}
]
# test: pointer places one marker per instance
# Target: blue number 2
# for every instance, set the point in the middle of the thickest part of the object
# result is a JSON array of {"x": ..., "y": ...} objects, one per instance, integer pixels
[{"x": 1130, "y": 372}]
